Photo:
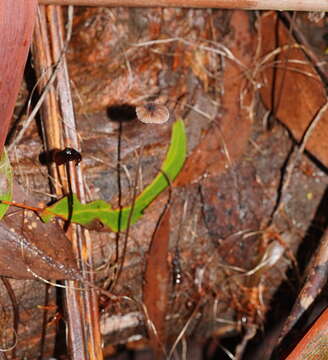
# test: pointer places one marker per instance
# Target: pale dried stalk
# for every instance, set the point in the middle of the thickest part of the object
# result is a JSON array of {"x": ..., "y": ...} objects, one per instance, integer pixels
[
  {"x": 49, "y": 111},
  {"x": 88, "y": 309},
  {"x": 83, "y": 329},
  {"x": 52, "y": 131},
  {"x": 297, "y": 5}
]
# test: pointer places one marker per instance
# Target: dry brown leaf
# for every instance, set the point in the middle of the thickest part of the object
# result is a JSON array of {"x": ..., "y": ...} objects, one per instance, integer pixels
[
  {"x": 32, "y": 249},
  {"x": 292, "y": 88},
  {"x": 157, "y": 278}
]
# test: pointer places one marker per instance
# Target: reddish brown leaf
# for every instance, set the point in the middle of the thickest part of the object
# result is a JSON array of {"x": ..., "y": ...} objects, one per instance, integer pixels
[
  {"x": 157, "y": 277},
  {"x": 16, "y": 27},
  {"x": 30, "y": 248},
  {"x": 293, "y": 90}
]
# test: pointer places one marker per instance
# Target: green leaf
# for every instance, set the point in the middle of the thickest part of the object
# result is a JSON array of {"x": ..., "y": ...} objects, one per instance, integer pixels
[
  {"x": 114, "y": 219},
  {"x": 6, "y": 182}
]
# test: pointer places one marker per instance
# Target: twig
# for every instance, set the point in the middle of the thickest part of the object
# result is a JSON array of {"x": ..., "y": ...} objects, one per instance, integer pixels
[{"x": 298, "y": 5}]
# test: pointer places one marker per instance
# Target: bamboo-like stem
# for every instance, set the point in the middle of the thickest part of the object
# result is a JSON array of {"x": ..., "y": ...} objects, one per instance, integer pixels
[
  {"x": 49, "y": 111},
  {"x": 297, "y": 5},
  {"x": 52, "y": 131},
  {"x": 80, "y": 236},
  {"x": 60, "y": 131}
]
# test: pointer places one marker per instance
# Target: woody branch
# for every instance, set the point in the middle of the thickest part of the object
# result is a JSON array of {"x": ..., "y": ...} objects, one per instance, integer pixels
[{"x": 297, "y": 5}]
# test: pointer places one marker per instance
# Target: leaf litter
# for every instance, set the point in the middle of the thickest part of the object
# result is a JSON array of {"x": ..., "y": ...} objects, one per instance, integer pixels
[{"x": 214, "y": 175}]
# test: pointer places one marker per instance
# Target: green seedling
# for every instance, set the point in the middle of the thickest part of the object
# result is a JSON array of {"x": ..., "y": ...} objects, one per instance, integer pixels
[{"x": 100, "y": 211}]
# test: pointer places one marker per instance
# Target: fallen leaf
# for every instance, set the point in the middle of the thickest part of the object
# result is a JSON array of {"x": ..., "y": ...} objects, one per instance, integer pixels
[
  {"x": 157, "y": 277},
  {"x": 32, "y": 249},
  {"x": 292, "y": 88}
]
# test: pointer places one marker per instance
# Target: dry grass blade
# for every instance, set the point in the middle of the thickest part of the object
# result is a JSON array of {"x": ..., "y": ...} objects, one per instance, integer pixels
[{"x": 184, "y": 330}]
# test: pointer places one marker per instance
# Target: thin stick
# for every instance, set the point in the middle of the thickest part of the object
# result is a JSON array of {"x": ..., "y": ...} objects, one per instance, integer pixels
[{"x": 297, "y": 5}]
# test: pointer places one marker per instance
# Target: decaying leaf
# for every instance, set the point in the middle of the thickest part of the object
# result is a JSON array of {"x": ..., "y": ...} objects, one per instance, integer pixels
[
  {"x": 32, "y": 249},
  {"x": 293, "y": 90},
  {"x": 156, "y": 286}
]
